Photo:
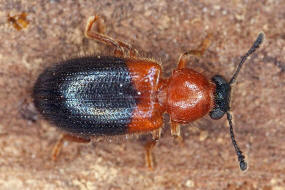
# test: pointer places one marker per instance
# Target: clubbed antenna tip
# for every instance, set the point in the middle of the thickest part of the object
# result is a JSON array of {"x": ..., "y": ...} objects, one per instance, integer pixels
[
  {"x": 242, "y": 163},
  {"x": 254, "y": 47}
]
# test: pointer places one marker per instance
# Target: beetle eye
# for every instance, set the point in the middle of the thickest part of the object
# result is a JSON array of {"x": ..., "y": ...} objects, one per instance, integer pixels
[{"x": 216, "y": 114}]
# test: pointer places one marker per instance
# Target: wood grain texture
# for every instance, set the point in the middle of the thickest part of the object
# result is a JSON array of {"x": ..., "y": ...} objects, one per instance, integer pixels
[{"x": 160, "y": 30}]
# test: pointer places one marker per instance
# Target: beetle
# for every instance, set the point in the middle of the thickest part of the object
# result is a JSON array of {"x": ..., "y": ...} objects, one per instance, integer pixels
[{"x": 125, "y": 94}]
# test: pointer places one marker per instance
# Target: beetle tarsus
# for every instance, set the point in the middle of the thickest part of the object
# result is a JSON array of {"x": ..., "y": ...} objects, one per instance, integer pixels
[{"x": 66, "y": 137}]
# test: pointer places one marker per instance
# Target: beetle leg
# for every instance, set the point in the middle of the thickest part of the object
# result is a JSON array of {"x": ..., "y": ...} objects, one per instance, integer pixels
[
  {"x": 176, "y": 133},
  {"x": 99, "y": 36},
  {"x": 195, "y": 52},
  {"x": 149, "y": 146},
  {"x": 133, "y": 52},
  {"x": 66, "y": 137}
]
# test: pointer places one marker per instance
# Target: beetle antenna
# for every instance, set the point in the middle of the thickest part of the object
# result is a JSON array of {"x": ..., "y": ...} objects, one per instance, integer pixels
[
  {"x": 242, "y": 163},
  {"x": 254, "y": 47}
]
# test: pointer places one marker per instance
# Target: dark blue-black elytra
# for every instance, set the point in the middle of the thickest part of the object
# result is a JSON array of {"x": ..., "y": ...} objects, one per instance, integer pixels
[{"x": 87, "y": 96}]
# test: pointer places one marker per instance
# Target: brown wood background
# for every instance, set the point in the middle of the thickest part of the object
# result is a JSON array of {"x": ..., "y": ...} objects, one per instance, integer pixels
[{"x": 160, "y": 29}]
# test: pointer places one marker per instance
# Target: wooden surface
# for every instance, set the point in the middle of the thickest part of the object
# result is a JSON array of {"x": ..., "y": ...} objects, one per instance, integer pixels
[{"x": 160, "y": 30}]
